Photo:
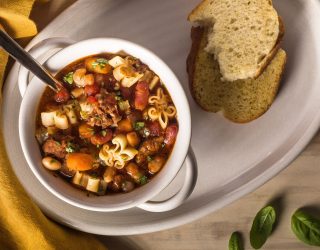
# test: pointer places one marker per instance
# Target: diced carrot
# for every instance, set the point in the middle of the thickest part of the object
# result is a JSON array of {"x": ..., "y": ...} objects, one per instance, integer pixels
[
  {"x": 102, "y": 137},
  {"x": 98, "y": 65},
  {"x": 79, "y": 161},
  {"x": 86, "y": 131}
]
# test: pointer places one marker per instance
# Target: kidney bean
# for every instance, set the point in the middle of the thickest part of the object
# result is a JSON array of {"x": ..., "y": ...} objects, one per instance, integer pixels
[
  {"x": 141, "y": 95},
  {"x": 154, "y": 128},
  {"x": 171, "y": 134}
]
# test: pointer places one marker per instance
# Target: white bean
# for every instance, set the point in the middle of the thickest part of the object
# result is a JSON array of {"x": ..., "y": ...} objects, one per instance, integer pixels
[{"x": 51, "y": 163}]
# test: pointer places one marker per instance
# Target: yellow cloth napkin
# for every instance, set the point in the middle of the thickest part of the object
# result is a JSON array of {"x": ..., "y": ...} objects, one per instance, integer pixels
[{"x": 22, "y": 224}]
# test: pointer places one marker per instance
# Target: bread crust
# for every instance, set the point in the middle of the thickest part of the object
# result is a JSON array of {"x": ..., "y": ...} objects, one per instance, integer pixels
[
  {"x": 275, "y": 49},
  {"x": 196, "y": 9},
  {"x": 196, "y": 36}
]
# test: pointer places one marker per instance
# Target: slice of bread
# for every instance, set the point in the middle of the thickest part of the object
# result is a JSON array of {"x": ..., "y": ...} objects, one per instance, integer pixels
[
  {"x": 240, "y": 101},
  {"x": 243, "y": 35}
]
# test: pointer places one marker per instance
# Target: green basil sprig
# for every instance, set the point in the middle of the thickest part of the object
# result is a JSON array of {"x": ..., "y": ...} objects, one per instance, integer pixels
[
  {"x": 306, "y": 228},
  {"x": 262, "y": 226},
  {"x": 235, "y": 242}
]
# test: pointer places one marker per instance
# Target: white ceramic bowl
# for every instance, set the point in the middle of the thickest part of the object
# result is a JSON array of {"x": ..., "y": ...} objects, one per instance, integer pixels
[{"x": 31, "y": 95}]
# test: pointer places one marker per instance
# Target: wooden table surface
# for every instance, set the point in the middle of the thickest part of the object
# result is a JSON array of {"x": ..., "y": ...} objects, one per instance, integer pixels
[{"x": 297, "y": 186}]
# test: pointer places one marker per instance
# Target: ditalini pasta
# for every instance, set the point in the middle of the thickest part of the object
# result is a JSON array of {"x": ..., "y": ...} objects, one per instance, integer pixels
[{"x": 110, "y": 128}]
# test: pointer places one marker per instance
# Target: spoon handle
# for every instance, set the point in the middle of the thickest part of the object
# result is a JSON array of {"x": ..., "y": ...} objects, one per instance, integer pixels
[{"x": 23, "y": 57}]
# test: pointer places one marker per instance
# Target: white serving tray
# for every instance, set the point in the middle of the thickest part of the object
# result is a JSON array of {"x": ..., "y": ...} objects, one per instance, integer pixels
[{"x": 233, "y": 159}]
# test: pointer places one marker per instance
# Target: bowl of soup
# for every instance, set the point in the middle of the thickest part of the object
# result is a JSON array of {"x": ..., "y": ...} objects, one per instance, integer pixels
[{"x": 115, "y": 134}]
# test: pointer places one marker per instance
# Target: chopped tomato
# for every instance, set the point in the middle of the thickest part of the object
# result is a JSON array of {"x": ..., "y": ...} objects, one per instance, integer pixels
[
  {"x": 101, "y": 138},
  {"x": 171, "y": 134},
  {"x": 62, "y": 95},
  {"x": 92, "y": 99},
  {"x": 141, "y": 95},
  {"x": 92, "y": 89}
]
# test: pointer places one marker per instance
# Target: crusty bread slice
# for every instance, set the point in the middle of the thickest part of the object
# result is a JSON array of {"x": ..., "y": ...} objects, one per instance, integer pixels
[
  {"x": 240, "y": 101},
  {"x": 243, "y": 35}
]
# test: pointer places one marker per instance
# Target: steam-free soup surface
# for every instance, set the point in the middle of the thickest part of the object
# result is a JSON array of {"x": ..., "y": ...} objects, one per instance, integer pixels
[{"x": 111, "y": 127}]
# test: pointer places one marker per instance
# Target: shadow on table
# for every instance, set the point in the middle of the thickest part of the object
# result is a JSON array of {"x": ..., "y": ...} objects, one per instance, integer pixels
[
  {"x": 119, "y": 243},
  {"x": 312, "y": 209},
  {"x": 278, "y": 204}
]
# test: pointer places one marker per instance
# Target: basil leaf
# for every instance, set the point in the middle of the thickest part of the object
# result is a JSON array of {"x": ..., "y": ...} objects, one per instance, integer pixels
[
  {"x": 235, "y": 242},
  {"x": 262, "y": 226},
  {"x": 71, "y": 147},
  {"x": 138, "y": 125},
  {"x": 306, "y": 228}
]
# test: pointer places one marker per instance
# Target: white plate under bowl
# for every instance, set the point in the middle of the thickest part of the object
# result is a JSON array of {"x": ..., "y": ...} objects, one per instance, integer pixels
[{"x": 233, "y": 159}]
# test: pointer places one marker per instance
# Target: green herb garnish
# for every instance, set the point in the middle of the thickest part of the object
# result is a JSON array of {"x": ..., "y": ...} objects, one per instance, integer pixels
[
  {"x": 53, "y": 160},
  {"x": 306, "y": 228},
  {"x": 101, "y": 62},
  {"x": 104, "y": 133},
  {"x": 71, "y": 147},
  {"x": 68, "y": 78},
  {"x": 235, "y": 242},
  {"x": 143, "y": 180},
  {"x": 138, "y": 125},
  {"x": 149, "y": 158},
  {"x": 262, "y": 226},
  {"x": 124, "y": 105}
]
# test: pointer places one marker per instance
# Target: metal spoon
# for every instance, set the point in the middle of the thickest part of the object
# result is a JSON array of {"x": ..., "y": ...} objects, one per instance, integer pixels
[{"x": 23, "y": 57}]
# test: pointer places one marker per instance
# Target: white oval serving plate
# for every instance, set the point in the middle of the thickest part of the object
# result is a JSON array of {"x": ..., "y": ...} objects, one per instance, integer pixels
[{"x": 233, "y": 159}]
